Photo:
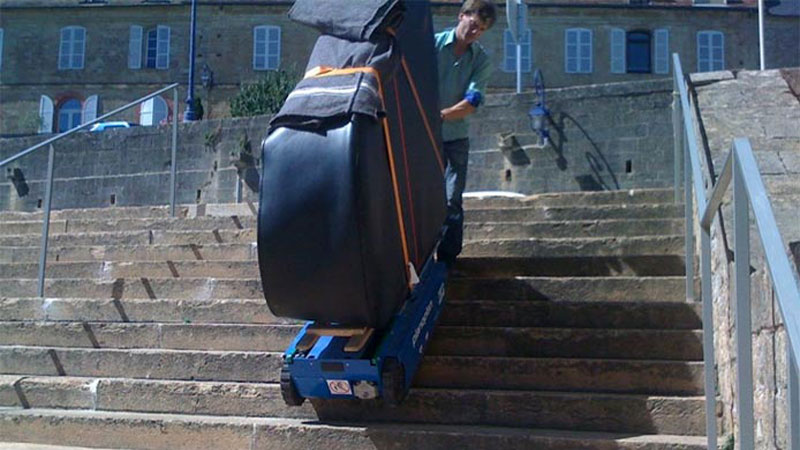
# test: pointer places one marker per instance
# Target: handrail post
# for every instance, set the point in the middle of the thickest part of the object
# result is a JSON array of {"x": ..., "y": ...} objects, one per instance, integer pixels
[
  {"x": 794, "y": 399},
  {"x": 173, "y": 165},
  {"x": 709, "y": 362},
  {"x": 689, "y": 231},
  {"x": 744, "y": 352},
  {"x": 48, "y": 195},
  {"x": 676, "y": 138}
]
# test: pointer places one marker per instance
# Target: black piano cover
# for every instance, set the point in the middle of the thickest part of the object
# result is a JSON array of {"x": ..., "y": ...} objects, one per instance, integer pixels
[{"x": 329, "y": 242}]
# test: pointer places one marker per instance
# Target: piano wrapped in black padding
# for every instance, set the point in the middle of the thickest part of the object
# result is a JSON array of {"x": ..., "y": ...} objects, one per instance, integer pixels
[{"x": 352, "y": 189}]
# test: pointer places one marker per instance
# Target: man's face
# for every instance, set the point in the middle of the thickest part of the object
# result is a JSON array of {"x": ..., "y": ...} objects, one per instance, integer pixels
[{"x": 470, "y": 27}]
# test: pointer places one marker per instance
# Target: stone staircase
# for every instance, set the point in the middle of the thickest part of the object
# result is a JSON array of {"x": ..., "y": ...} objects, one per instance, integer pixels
[{"x": 566, "y": 328}]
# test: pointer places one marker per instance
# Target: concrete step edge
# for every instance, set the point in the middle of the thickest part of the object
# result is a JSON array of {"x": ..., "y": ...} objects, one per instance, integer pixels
[{"x": 256, "y": 430}]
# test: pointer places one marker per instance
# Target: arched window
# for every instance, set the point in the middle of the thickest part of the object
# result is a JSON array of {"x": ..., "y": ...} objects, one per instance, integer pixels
[
  {"x": 153, "y": 111},
  {"x": 69, "y": 114}
]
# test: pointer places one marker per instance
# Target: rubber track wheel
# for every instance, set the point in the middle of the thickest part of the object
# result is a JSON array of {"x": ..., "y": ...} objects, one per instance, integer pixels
[
  {"x": 394, "y": 379},
  {"x": 288, "y": 390}
]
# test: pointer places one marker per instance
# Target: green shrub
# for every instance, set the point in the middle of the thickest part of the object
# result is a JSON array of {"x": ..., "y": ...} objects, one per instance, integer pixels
[{"x": 265, "y": 96}]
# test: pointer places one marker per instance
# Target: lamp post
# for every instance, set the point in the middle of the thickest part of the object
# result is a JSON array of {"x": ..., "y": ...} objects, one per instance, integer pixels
[
  {"x": 190, "y": 115},
  {"x": 539, "y": 113}
]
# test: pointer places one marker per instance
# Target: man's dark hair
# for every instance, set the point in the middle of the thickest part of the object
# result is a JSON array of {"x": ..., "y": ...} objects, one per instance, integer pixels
[{"x": 485, "y": 9}]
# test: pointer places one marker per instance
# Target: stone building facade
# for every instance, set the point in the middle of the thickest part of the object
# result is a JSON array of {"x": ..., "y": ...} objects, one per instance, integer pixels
[{"x": 63, "y": 61}]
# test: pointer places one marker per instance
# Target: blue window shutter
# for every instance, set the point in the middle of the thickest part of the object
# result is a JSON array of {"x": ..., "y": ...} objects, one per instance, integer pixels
[
  {"x": 617, "y": 50},
  {"x": 509, "y": 52},
  {"x": 260, "y": 48},
  {"x": 273, "y": 48},
  {"x": 571, "y": 51},
  {"x": 1, "y": 49},
  {"x": 135, "y": 47},
  {"x": 661, "y": 51},
  {"x": 162, "y": 47}
]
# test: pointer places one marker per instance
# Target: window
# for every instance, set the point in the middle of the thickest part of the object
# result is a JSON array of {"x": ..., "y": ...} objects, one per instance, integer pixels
[
  {"x": 578, "y": 50},
  {"x": 637, "y": 51},
  {"x": 266, "y": 47},
  {"x": 72, "y": 48},
  {"x": 157, "y": 54},
  {"x": 153, "y": 111},
  {"x": 69, "y": 115},
  {"x": 135, "y": 48},
  {"x": 510, "y": 51},
  {"x": 1, "y": 49},
  {"x": 710, "y": 51},
  {"x": 45, "y": 114}
]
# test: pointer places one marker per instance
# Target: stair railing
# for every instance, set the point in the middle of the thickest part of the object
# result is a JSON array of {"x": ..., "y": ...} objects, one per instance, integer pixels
[
  {"x": 740, "y": 168},
  {"x": 51, "y": 158}
]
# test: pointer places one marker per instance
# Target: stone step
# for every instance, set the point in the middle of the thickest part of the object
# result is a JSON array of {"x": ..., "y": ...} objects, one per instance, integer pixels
[
  {"x": 195, "y": 432},
  {"x": 629, "y": 197},
  {"x": 224, "y": 230},
  {"x": 517, "y": 288},
  {"x": 608, "y": 289},
  {"x": 560, "y": 314},
  {"x": 132, "y": 224},
  {"x": 98, "y": 213},
  {"x": 491, "y": 266},
  {"x": 134, "y": 269},
  {"x": 132, "y": 253},
  {"x": 153, "y": 288},
  {"x": 138, "y": 212},
  {"x": 25, "y": 446},
  {"x": 564, "y": 229},
  {"x": 586, "y": 246},
  {"x": 447, "y": 340},
  {"x": 582, "y": 213},
  {"x": 659, "y": 377},
  {"x": 141, "y": 237},
  {"x": 561, "y": 247},
  {"x": 516, "y": 408},
  {"x": 570, "y": 266}
]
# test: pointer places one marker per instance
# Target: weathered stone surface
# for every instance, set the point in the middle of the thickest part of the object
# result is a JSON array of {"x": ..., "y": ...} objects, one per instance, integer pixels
[
  {"x": 197, "y": 432},
  {"x": 568, "y": 288},
  {"x": 759, "y": 105},
  {"x": 579, "y": 332},
  {"x": 141, "y": 363}
]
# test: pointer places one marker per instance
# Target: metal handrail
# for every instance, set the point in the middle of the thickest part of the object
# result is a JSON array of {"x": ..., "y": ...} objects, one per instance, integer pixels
[
  {"x": 86, "y": 125},
  {"x": 740, "y": 169},
  {"x": 51, "y": 159}
]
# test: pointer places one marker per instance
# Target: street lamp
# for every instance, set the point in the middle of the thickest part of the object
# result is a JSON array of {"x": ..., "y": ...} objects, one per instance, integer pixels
[
  {"x": 539, "y": 113},
  {"x": 190, "y": 114}
]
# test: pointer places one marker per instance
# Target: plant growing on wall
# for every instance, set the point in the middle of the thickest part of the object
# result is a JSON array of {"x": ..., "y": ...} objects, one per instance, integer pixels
[{"x": 265, "y": 96}]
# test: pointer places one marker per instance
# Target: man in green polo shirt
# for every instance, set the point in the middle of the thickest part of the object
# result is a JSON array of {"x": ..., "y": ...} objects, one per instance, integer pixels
[{"x": 464, "y": 70}]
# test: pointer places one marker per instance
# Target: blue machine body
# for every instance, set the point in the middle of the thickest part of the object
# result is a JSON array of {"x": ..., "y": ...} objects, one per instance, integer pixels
[{"x": 328, "y": 371}]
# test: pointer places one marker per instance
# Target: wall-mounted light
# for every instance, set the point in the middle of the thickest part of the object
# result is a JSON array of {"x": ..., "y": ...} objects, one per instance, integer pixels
[{"x": 539, "y": 114}]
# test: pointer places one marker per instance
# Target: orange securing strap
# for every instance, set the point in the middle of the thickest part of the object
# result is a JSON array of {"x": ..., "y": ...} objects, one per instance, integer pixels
[
  {"x": 324, "y": 71},
  {"x": 411, "y": 83}
]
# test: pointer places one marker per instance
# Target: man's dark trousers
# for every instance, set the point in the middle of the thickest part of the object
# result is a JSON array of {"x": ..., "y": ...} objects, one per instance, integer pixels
[{"x": 456, "y": 153}]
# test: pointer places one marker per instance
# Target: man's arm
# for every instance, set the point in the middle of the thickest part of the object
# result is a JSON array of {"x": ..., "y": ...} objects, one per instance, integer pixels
[
  {"x": 474, "y": 95},
  {"x": 458, "y": 111}
]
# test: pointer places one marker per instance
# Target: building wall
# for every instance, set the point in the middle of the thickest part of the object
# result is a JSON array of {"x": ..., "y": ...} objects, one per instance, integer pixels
[
  {"x": 626, "y": 143},
  {"x": 763, "y": 106},
  {"x": 225, "y": 44}
]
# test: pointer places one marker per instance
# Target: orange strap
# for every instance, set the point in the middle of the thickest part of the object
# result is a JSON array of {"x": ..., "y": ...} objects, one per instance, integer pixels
[
  {"x": 411, "y": 83},
  {"x": 324, "y": 71}
]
